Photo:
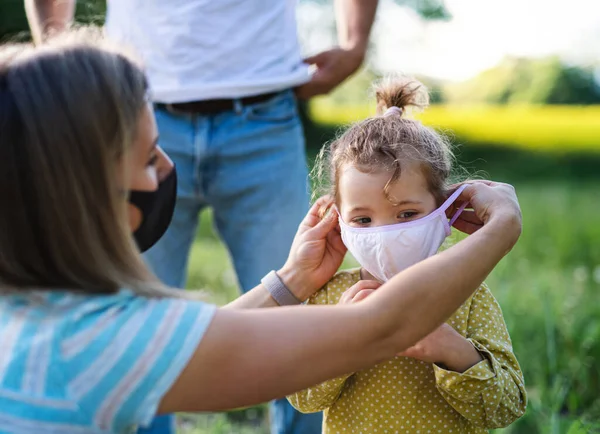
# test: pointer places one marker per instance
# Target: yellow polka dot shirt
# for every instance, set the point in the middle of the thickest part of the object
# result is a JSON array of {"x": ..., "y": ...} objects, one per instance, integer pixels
[{"x": 405, "y": 395}]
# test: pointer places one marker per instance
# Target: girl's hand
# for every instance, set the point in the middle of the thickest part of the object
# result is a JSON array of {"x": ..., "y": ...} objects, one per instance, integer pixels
[
  {"x": 445, "y": 346},
  {"x": 359, "y": 291},
  {"x": 489, "y": 201},
  {"x": 316, "y": 254}
]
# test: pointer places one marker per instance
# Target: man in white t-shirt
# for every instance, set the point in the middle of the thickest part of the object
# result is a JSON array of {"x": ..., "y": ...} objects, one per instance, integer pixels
[{"x": 224, "y": 76}]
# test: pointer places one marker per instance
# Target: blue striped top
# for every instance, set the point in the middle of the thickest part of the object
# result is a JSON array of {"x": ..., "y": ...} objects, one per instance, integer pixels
[{"x": 75, "y": 363}]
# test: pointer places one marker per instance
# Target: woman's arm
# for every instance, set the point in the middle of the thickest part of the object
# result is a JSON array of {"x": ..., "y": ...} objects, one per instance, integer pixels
[
  {"x": 259, "y": 296},
  {"x": 252, "y": 356}
]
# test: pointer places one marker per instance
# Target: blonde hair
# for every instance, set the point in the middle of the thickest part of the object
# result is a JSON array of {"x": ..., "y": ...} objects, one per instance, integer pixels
[
  {"x": 68, "y": 116},
  {"x": 389, "y": 141}
]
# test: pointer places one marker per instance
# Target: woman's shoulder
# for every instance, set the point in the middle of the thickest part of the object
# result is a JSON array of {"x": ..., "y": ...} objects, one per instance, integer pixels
[
  {"x": 333, "y": 290},
  {"x": 81, "y": 325},
  {"x": 120, "y": 349}
]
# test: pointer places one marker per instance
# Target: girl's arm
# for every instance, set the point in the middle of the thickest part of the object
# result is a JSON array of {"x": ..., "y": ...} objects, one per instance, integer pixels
[
  {"x": 251, "y": 356},
  {"x": 320, "y": 397},
  {"x": 491, "y": 394}
]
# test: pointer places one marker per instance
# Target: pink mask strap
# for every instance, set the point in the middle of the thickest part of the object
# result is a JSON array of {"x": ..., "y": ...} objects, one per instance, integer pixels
[
  {"x": 457, "y": 213},
  {"x": 451, "y": 200}
]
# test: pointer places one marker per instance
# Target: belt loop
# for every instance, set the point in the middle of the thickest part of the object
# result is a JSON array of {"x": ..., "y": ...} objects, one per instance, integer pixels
[{"x": 238, "y": 106}]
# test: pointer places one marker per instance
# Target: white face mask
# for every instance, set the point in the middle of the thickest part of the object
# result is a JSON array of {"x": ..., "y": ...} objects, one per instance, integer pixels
[{"x": 384, "y": 251}]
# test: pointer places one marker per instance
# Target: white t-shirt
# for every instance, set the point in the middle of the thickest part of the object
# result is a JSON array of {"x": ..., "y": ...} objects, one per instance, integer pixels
[{"x": 210, "y": 49}]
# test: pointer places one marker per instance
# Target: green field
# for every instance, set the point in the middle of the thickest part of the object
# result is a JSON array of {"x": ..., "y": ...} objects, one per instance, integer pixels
[{"x": 549, "y": 288}]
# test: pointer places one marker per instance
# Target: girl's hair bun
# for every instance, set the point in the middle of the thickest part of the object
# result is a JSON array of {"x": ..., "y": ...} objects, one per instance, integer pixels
[{"x": 401, "y": 92}]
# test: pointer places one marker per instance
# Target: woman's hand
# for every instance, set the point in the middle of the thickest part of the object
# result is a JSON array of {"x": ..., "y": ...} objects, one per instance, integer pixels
[
  {"x": 316, "y": 254},
  {"x": 446, "y": 347},
  {"x": 359, "y": 291},
  {"x": 488, "y": 201}
]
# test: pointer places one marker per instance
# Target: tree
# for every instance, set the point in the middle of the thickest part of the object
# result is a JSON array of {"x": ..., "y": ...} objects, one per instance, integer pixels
[
  {"x": 13, "y": 23},
  {"x": 529, "y": 81}
]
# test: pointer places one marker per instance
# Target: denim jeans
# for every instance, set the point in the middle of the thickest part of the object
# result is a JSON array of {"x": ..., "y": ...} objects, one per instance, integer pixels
[{"x": 249, "y": 166}]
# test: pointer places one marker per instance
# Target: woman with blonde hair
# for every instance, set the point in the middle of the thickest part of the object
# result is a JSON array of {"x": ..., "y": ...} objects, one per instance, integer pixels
[{"x": 93, "y": 343}]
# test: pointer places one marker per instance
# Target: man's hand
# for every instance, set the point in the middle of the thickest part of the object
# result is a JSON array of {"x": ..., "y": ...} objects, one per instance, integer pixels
[{"x": 333, "y": 67}]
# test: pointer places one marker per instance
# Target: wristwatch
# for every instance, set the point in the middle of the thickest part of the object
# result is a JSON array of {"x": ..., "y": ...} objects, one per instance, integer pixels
[{"x": 282, "y": 295}]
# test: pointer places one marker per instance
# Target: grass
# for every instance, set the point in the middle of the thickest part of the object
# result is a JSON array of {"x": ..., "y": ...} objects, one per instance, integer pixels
[
  {"x": 549, "y": 288},
  {"x": 557, "y": 129}
]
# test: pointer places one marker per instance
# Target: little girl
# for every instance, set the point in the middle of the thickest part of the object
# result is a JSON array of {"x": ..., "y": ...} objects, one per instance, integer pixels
[{"x": 389, "y": 176}]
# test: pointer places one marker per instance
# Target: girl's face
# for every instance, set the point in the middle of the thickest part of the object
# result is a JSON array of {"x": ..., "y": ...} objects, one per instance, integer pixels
[
  {"x": 148, "y": 164},
  {"x": 363, "y": 203}
]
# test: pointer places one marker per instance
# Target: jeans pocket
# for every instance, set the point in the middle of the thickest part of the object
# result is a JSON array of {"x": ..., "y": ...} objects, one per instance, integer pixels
[{"x": 281, "y": 108}]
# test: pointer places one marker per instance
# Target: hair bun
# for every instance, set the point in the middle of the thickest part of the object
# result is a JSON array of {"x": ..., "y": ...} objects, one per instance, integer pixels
[{"x": 400, "y": 92}]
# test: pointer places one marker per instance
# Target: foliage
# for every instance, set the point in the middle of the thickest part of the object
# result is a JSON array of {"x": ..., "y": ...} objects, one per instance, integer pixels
[
  {"x": 515, "y": 81},
  {"x": 13, "y": 23},
  {"x": 529, "y": 81},
  {"x": 428, "y": 9}
]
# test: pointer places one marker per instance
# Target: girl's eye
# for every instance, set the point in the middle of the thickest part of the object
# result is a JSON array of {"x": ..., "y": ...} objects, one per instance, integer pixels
[
  {"x": 407, "y": 215},
  {"x": 362, "y": 220}
]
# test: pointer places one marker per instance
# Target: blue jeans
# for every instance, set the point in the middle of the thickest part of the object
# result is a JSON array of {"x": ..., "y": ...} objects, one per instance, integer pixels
[{"x": 249, "y": 165}]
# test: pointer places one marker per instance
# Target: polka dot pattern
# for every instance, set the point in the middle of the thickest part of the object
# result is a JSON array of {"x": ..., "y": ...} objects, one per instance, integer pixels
[{"x": 405, "y": 395}]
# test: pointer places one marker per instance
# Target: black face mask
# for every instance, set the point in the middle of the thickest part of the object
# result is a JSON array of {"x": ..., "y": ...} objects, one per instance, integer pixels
[{"x": 157, "y": 211}]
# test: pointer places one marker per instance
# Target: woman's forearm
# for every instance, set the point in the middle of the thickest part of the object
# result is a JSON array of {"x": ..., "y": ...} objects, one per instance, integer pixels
[
  {"x": 251, "y": 356},
  {"x": 432, "y": 290},
  {"x": 256, "y": 298},
  {"x": 259, "y": 297}
]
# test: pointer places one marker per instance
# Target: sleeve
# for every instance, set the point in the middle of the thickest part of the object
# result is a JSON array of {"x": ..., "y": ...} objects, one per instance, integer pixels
[
  {"x": 492, "y": 393},
  {"x": 120, "y": 360},
  {"x": 321, "y": 396}
]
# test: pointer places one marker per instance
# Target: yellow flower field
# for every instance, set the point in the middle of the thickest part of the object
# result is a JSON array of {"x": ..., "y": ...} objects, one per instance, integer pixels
[{"x": 560, "y": 129}]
